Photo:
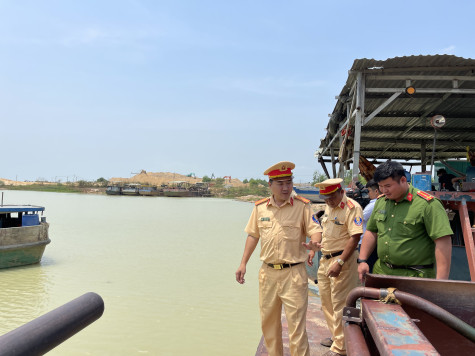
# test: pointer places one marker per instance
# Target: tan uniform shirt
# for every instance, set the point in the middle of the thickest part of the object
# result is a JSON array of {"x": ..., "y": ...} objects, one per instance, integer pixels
[
  {"x": 282, "y": 229},
  {"x": 340, "y": 223}
]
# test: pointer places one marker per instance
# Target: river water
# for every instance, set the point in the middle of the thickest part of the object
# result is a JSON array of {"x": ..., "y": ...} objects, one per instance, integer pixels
[{"x": 164, "y": 267}]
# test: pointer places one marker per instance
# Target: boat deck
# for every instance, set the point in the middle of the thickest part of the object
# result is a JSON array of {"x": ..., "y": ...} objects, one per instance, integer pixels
[{"x": 316, "y": 330}]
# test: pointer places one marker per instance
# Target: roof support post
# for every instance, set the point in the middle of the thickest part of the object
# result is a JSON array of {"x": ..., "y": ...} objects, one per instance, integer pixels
[
  {"x": 322, "y": 162},
  {"x": 332, "y": 152},
  {"x": 360, "y": 99},
  {"x": 423, "y": 156}
]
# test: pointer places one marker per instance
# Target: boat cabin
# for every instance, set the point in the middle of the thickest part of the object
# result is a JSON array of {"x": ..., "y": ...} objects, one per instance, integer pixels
[{"x": 20, "y": 215}]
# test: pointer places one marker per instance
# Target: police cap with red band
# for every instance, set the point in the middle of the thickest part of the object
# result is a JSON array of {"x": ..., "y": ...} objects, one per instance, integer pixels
[
  {"x": 280, "y": 170},
  {"x": 329, "y": 186}
]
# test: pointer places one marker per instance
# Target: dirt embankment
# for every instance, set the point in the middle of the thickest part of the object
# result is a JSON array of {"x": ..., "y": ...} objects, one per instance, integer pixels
[
  {"x": 167, "y": 177},
  {"x": 14, "y": 182}
]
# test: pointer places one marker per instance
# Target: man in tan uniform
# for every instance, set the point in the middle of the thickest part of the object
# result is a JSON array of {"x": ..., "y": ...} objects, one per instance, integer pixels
[
  {"x": 281, "y": 222},
  {"x": 342, "y": 225}
]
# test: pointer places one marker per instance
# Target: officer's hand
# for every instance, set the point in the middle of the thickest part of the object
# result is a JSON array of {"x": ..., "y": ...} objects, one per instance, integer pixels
[
  {"x": 334, "y": 270},
  {"x": 240, "y": 274},
  {"x": 315, "y": 246},
  {"x": 363, "y": 268},
  {"x": 311, "y": 255}
]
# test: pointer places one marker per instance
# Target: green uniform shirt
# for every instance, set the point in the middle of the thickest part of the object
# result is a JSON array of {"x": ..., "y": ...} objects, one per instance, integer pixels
[{"x": 407, "y": 229}]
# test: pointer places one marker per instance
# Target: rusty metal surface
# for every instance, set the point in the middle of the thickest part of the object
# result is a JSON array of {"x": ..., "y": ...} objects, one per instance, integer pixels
[
  {"x": 316, "y": 330},
  {"x": 457, "y": 297},
  {"x": 355, "y": 341},
  {"x": 463, "y": 202},
  {"x": 413, "y": 301},
  {"x": 454, "y": 196},
  {"x": 468, "y": 238},
  {"x": 454, "y": 296},
  {"x": 393, "y": 330}
]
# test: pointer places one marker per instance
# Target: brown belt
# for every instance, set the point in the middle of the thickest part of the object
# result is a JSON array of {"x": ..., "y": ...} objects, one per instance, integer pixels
[{"x": 283, "y": 265}]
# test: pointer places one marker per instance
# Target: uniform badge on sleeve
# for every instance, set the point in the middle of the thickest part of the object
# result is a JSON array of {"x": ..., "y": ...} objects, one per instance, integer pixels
[{"x": 358, "y": 221}]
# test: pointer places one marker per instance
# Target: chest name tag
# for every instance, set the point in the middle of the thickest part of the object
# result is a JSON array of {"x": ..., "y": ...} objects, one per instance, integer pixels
[{"x": 265, "y": 219}]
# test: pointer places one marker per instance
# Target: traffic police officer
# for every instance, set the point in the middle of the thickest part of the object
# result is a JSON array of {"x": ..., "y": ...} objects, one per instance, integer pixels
[
  {"x": 342, "y": 225},
  {"x": 411, "y": 228},
  {"x": 281, "y": 222}
]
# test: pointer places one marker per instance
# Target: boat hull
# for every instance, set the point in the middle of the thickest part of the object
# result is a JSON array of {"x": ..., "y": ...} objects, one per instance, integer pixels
[
  {"x": 312, "y": 194},
  {"x": 130, "y": 192},
  {"x": 113, "y": 190},
  {"x": 177, "y": 193},
  {"x": 150, "y": 193},
  {"x": 20, "y": 246}
]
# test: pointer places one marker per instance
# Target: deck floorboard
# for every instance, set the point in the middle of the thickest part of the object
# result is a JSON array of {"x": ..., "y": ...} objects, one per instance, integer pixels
[{"x": 316, "y": 330}]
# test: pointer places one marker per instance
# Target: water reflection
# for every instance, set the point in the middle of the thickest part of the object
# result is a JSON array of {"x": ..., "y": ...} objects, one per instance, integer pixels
[{"x": 24, "y": 295}]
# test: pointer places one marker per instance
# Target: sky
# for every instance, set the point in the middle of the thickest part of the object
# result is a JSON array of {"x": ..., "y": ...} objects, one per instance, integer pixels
[{"x": 107, "y": 88}]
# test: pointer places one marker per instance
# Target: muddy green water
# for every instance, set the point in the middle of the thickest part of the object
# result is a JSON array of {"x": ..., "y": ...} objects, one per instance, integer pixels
[{"x": 164, "y": 267}]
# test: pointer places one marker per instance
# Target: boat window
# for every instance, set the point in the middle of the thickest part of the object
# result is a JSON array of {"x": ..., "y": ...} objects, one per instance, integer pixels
[{"x": 10, "y": 220}]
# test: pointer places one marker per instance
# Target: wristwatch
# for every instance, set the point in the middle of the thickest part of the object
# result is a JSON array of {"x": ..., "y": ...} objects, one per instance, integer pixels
[
  {"x": 359, "y": 261},
  {"x": 340, "y": 262}
]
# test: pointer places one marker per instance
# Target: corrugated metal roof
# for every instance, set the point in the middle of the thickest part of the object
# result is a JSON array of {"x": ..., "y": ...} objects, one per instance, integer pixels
[{"x": 402, "y": 129}]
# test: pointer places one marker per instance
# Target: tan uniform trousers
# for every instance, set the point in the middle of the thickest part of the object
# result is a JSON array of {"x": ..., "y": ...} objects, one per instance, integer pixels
[
  {"x": 333, "y": 293},
  {"x": 288, "y": 287}
]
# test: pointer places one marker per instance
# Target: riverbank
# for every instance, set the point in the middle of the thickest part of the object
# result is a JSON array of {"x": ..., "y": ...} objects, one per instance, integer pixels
[{"x": 55, "y": 188}]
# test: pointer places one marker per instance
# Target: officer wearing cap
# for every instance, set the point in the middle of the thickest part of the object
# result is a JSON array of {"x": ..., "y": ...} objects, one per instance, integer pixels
[
  {"x": 281, "y": 222},
  {"x": 411, "y": 228},
  {"x": 342, "y": 225}
]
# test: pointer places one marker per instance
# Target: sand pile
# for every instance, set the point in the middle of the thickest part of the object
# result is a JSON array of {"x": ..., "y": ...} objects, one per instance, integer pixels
[
  {"x": 165, "y": 178},
  {"x": 14, "y": 182}
]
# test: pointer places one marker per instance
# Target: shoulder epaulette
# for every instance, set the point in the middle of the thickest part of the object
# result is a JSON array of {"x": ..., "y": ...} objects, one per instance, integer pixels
[
  {"x": 425, "y": 195},
  {"x": 259, "y": 202},
  {"x": 350, "y": 204},
  {"x": 305, "y": 200}
]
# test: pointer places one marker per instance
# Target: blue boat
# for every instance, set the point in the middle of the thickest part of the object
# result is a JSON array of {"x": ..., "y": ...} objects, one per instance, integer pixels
[{"x": 310, "y": 193}]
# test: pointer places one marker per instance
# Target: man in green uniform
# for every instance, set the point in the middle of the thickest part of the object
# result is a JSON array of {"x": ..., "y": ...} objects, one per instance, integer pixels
[{"x": 411, "y": 228}]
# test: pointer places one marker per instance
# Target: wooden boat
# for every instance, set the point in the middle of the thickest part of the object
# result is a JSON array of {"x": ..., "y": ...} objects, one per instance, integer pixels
[
  {"x": 114, "y": 190},
  {"x": 200, "y": 189},
  {"x": 178, "y": 189},
  {"x": 23, "y": 237},
  {"x": 131, "y": 189},
  {"x": 150, "y": 191}
]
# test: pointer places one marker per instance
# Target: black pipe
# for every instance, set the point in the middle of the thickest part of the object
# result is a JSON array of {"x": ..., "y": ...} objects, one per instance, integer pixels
[
  {"x": 416, "y": 302},
  {"x": 49, "y": 330}
]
